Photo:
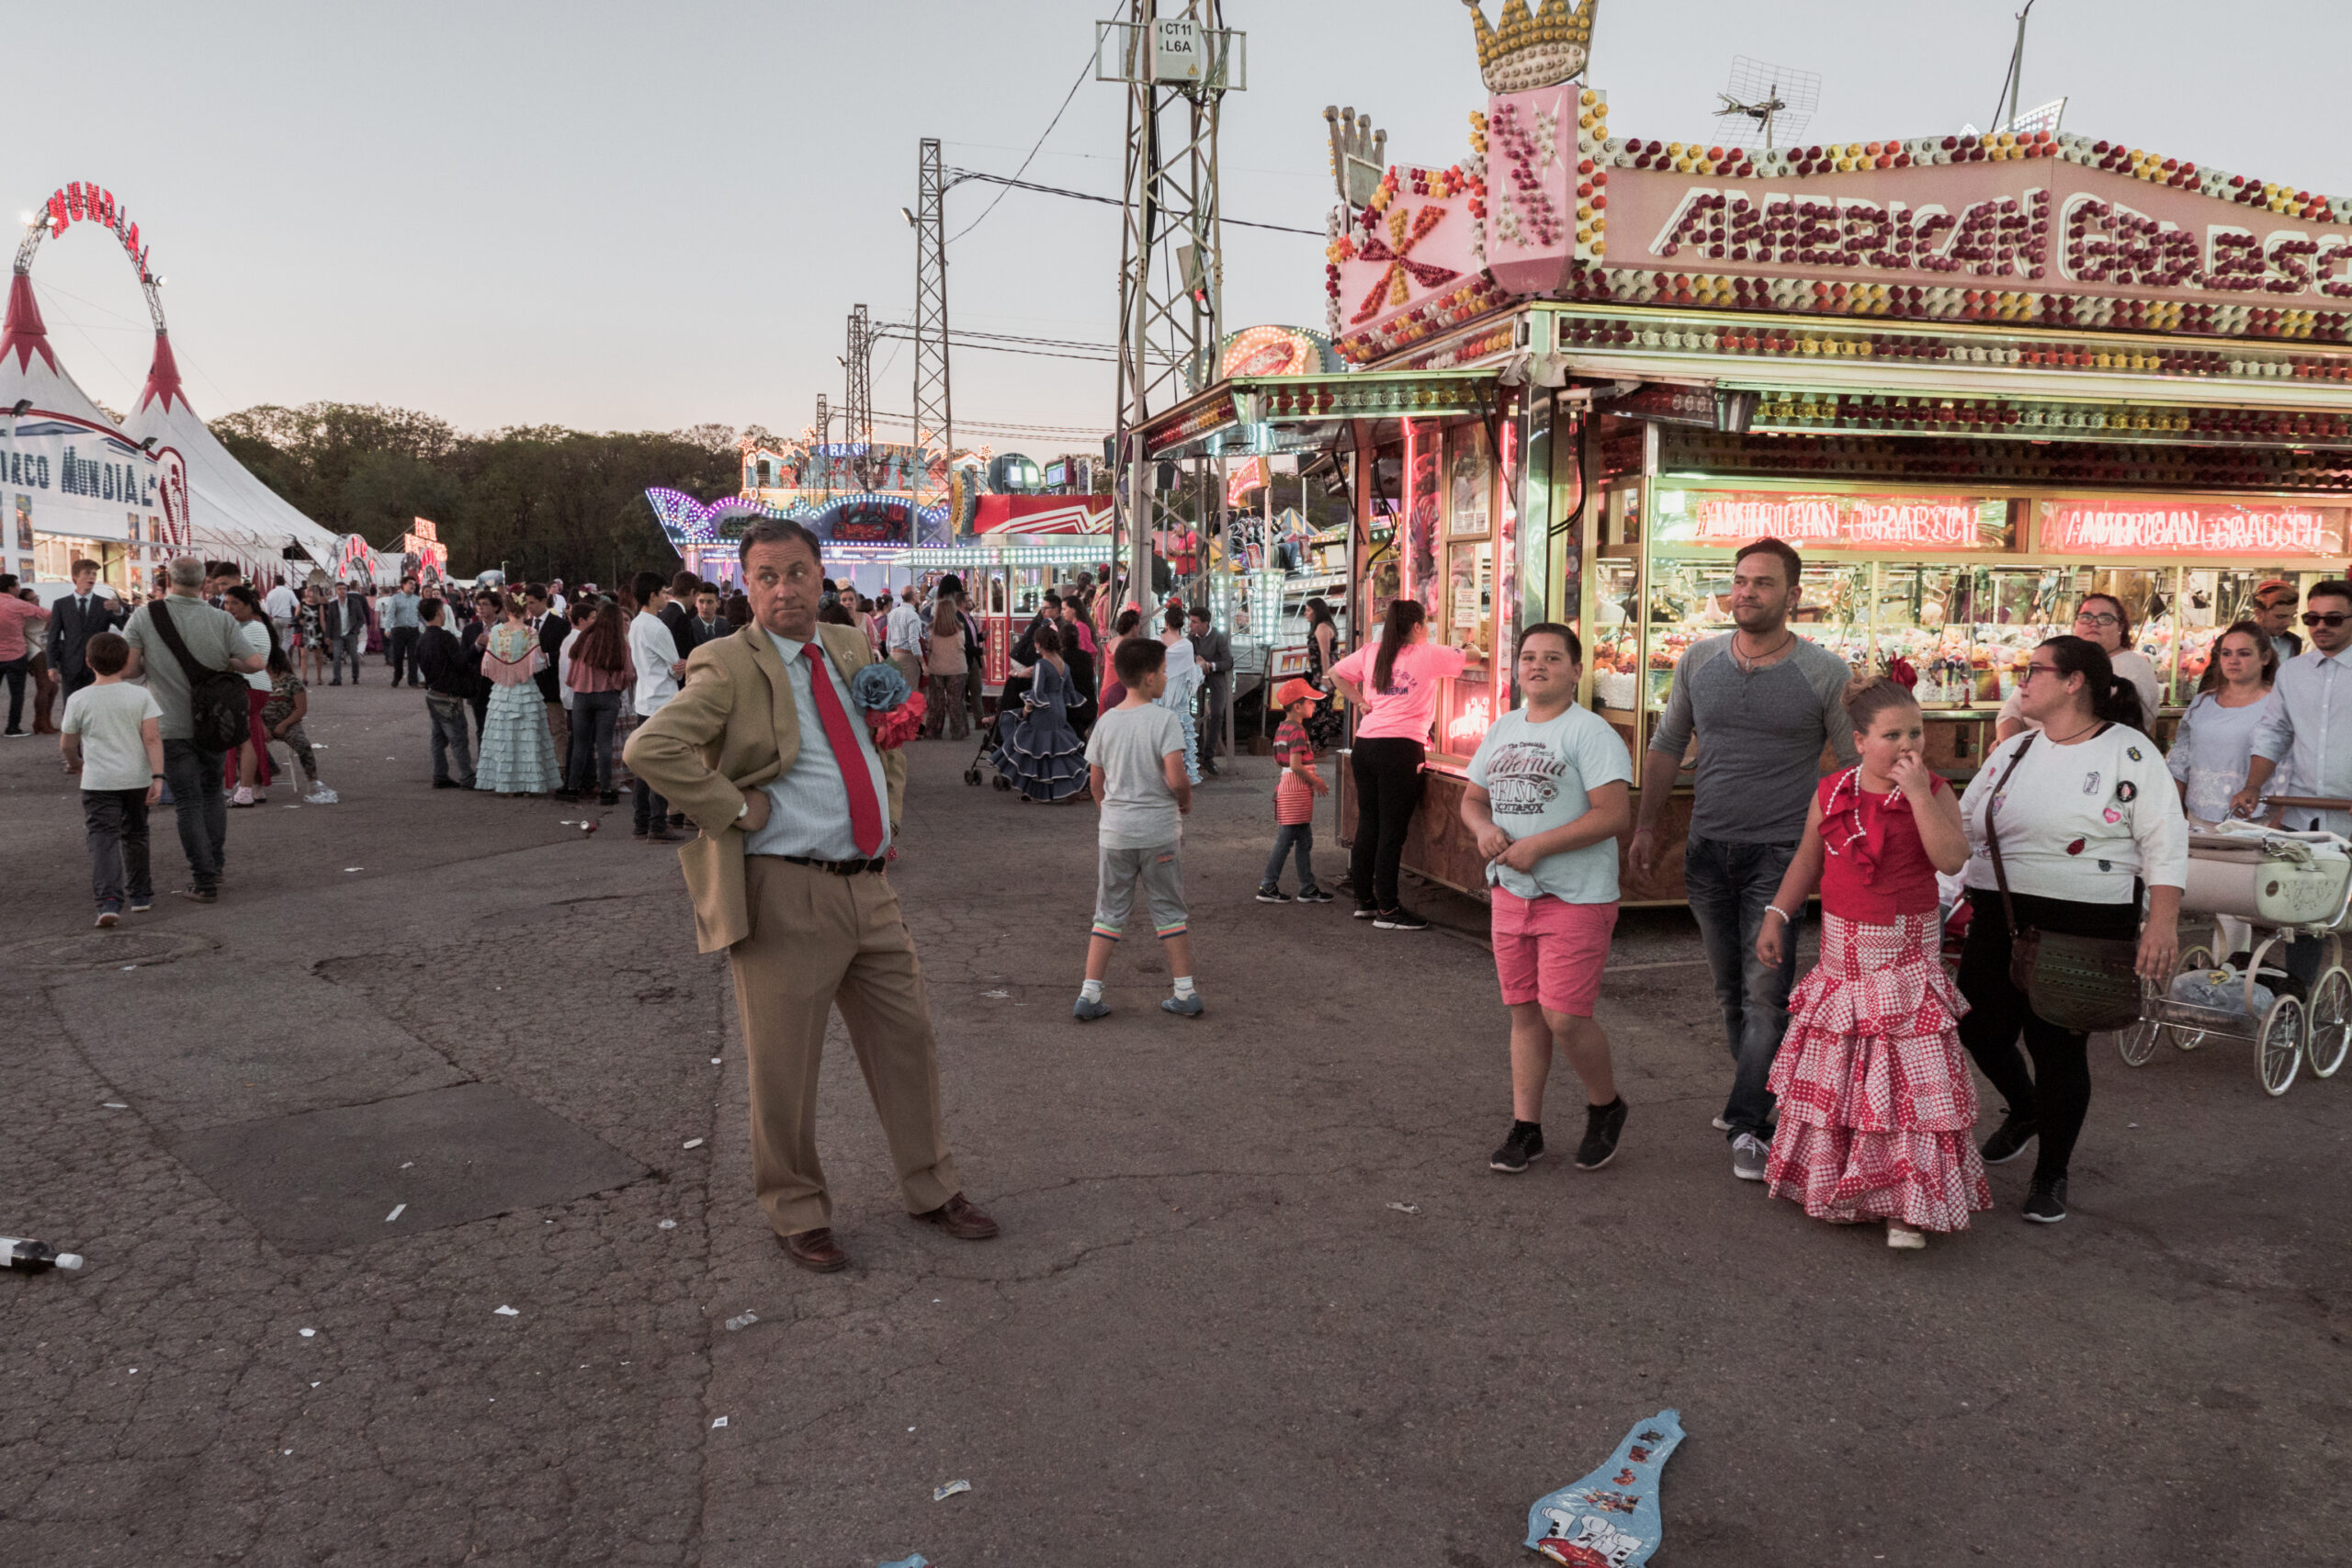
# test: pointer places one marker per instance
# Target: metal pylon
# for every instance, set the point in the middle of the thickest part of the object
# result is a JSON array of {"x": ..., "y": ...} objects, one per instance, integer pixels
[
  {"x": 858, "y": 423},
  {"x": 1172, "y": 270},
  {"x": 934, "y": 417}
]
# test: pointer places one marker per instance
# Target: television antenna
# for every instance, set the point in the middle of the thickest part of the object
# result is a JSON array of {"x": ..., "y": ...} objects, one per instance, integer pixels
[{"x": 1764, "y": 100}]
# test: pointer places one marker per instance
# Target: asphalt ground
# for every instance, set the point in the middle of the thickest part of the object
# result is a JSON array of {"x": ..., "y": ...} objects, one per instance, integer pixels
[{"x": 1258, "y": 1300}]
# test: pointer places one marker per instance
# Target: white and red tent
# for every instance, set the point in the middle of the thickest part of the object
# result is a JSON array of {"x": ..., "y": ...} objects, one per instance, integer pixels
[
  {"x": 227, "y": 502},
  {"x": 1042, "y": 514}
]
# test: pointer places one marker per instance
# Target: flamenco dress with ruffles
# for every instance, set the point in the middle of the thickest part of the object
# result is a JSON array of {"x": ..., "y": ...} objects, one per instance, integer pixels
[
  {"x": 1877, "y": 1110},
  {"x": 1042, "y": 756}
]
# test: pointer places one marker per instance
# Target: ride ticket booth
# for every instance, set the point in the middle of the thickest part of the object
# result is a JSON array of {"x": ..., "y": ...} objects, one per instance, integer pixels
[{"x": 1969, "y": 378}]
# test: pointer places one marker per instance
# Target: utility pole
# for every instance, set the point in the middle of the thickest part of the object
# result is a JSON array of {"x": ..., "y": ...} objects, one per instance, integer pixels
[
  {"x": 1177, "y": 68},
  {"x": 934, "y": 415},
  {"x": 2009, "y": 87},
  {"x": 824, "y": 435},
  {"x": 858, "y": 421}
]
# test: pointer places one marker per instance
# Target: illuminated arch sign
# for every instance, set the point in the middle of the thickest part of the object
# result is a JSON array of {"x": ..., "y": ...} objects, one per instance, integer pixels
[{"x": 1274, "y": 351}]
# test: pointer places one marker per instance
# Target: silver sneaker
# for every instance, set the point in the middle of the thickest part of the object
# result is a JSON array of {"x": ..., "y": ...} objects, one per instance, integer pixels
[{"x": 1748, "y": 1155}]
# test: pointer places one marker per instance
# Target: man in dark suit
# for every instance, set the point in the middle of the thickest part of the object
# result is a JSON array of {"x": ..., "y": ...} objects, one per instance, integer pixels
[
  {"x": 790, "y": 877},
  {"x": 74, "y": 621},
  {"x": 678, "y": 615},
  {"x": 1214, "y": 650},
  {"x": 708, "y": 622},
  {"x": 552, "y": 628}
]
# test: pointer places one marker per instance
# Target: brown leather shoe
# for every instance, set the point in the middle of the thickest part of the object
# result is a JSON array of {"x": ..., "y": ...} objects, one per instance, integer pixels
[
  {"x": 815, "y": 1250},
  {"x": 961, "y": 1218}
]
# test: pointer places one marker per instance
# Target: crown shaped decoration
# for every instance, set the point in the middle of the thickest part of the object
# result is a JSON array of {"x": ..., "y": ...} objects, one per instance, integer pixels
[{"x": 1538, "y": 50}]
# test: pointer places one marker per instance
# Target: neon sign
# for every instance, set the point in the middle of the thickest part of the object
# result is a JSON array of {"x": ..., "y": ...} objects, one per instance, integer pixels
[
  {"x": 2158, "y": 527},
  {"x": 85, "y": 203},
  {"x": 1840, "y": 522}
]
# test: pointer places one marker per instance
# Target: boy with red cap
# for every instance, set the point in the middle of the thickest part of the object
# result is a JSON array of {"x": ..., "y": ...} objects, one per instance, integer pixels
[{"x": 1295, "y": 794}]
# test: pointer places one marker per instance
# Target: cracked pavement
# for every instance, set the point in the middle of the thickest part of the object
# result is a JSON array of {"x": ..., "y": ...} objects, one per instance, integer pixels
[{"x": 1205, "y": 1336}]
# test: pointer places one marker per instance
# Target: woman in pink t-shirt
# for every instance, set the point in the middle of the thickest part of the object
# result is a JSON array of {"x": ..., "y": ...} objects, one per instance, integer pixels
[{"x": 1393, "y": 684}]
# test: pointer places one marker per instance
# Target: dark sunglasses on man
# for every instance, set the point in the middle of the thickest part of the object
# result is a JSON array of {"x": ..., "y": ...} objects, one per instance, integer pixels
[{"x": 2311, "y": 619}]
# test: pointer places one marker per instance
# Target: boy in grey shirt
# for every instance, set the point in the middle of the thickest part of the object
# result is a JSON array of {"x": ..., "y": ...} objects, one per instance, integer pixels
[
  {"x": 1763, "y": 703},
  {"x": 1136, "y": 770}
]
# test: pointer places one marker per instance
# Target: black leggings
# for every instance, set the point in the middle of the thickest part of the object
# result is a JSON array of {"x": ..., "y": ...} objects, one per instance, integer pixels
[
  {"x": 1388, "y": 786},
  {"x": 2057, "y": 1095}
]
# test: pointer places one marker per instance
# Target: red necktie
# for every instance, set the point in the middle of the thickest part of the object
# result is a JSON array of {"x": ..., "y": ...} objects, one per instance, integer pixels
[{"x": 865, "y": 812}]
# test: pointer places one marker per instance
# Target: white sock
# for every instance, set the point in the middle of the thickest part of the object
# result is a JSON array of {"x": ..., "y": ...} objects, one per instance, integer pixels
[
  {"x": 1090, "y": 991},
  {"x": 1184, "y": 987}
]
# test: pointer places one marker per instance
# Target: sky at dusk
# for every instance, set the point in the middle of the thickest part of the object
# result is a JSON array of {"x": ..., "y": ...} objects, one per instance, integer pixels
[{"x": 646, "y": 217}]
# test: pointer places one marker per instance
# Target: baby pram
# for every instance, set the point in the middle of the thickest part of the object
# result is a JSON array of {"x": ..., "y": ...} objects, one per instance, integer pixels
[
  {"x": 2289, "y": 887},
  {"x": 989, "y": 737}
]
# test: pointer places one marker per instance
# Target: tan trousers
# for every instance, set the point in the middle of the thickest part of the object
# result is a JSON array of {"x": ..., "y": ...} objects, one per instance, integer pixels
[{"x": 820, "y": 942}]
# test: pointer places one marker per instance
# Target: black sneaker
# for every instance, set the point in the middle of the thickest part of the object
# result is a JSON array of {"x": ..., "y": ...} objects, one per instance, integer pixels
[
  {"x": 1267, "y": 893},
  {"x": 608, "y": 797},
  {"x": 2009, "y": 1141},
  {"x": 1367, "y": 912},
  {"x": 1316, "y": 897},
  {"x": 197, "y": 895},
  {"x": 2045, "y": 1202},
  {"x": 1602, "y": 1125},
  {"x": 1400, "y": 919},
  {"x": 1525, "y": 1144}
]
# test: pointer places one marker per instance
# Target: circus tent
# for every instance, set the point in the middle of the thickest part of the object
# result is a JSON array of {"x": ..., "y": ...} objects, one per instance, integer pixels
[{"x": 227, "y": 502}]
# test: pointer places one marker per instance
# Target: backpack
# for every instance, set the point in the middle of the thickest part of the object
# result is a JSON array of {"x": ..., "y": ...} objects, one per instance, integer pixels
[{"x": 220, "y": 719}]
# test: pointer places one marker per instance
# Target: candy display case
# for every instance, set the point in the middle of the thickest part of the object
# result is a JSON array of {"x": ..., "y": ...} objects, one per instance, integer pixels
[{"x": 2207, "y": 604}]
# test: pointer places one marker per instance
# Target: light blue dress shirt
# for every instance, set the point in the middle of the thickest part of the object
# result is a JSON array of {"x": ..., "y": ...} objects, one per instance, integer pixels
[
  {"x": 400, "y": 610},
  {"x": 2309, "y": 724},
  {"x": 808, "y": 807}
]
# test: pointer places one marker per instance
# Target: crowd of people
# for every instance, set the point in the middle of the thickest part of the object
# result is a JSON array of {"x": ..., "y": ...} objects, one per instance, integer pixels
[{"x": 1848, "y": 1093}]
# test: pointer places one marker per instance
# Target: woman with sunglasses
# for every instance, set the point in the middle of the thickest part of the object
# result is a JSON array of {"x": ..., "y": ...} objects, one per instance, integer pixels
[
  {"x": 2102, "y": 619},
  {"x": 2086, "y": 813}
]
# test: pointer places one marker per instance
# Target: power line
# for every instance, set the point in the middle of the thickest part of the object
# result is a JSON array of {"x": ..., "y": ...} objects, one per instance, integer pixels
[
  {"x": 1115, "y": 201},
  {"x": 1066, "y": 99},
  {"x": 1092, "y": 433}
]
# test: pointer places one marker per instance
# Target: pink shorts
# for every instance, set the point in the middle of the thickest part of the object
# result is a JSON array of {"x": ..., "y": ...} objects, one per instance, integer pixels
[{"x": 1549, "y": 951}]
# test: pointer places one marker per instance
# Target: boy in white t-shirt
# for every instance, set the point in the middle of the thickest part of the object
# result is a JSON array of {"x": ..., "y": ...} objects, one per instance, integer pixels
[
  {"x": 113, "y": 732},
  {"x": 1546, "y": 798},
  {"x": 1136, "y": 769}
]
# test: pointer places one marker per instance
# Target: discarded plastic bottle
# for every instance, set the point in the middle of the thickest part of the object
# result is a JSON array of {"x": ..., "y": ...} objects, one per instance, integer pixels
[{"x": 31, "y": 1257}]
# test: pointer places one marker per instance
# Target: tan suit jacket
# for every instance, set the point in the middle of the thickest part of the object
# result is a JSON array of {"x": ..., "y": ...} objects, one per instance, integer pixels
[{"x": 730, "y": 729}]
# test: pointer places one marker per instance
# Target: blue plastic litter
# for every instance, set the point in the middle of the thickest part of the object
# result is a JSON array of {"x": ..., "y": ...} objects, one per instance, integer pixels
[
  {"x": 917, "y": 1560},
  {"x": 1610, "y": 1519}
]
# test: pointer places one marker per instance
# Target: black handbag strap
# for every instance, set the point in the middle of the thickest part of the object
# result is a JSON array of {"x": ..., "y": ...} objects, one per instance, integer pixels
[
  {"x": 1993, "y": 832},
  {"x": 156, "y": 613}
]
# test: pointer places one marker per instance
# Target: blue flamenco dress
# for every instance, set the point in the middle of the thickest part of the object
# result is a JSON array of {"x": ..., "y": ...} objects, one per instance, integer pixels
[{"x": 1043, "y": 757}]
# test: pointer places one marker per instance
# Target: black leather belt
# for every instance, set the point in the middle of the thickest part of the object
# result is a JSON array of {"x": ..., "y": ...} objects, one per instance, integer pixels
[{"x": 839, "y": 867}]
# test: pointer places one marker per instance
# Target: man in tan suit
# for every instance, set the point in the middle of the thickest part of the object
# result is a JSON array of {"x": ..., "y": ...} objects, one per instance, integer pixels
[{"x": 764, "y": 751}]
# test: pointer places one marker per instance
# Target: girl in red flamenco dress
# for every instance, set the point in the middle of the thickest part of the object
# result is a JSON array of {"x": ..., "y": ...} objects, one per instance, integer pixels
[{"x": 1876, "y": 1108}]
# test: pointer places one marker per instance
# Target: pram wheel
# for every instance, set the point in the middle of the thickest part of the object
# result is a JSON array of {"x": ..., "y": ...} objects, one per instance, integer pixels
[
  {"x": 2331, "y": 1023},
  {"x": 972, "y": 775},
  {"x": 1003, "y": 784},
  {"x": 2278, "y": 1046}
]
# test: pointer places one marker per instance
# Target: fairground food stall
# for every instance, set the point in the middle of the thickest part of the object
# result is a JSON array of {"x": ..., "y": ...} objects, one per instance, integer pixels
[{"x": 1969, "y": 378}]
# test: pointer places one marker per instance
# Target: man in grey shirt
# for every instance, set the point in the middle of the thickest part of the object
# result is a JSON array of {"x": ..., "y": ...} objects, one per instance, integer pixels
[
  {"x": 195, "y": 774},
  {"x": 401, "y": 629},
  {"x": 1762, "y": 701}
]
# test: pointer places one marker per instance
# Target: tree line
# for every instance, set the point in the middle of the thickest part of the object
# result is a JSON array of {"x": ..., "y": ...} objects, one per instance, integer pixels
[{"x": 538, "y": 501}]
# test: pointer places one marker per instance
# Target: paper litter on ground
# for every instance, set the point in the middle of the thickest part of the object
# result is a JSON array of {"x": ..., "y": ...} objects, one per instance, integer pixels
[
  {"x": 504, "y": 1312},
  {"x": 395, "y": 1213},
  {"x": 721, "y": 1421},
  {"x": 940, "y": 1494},
  {"x": 743, "y": 1321},
  {"x": 917, "y": 1560},
  {"x": 1407, "y": 1208},
  {"x": 691, "y": 1144}
]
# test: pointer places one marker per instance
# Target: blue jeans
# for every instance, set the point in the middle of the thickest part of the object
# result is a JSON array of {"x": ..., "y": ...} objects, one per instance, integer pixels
[
  {"x": 340, "y": 649},
  {"x": 1730, "y": 886},
  {"x": 447, "y": 716},
  {"x": 1289, "y": 836},
  {"x": 194, "y": 774},
  {"x": 594, "y": 714}
]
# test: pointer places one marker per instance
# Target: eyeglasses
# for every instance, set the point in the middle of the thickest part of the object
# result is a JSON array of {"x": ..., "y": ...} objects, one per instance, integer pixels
[
  {"x": 2033, "y": 670},
  {"x": 2087, "y": 619},
  {"x": 2329, "y": 620}
]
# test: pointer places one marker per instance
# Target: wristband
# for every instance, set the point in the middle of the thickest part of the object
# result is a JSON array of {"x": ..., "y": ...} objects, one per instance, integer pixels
[{"x": 1776, "y": 910}]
